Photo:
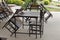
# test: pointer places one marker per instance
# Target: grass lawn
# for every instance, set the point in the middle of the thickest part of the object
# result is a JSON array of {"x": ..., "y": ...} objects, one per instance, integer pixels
[
  {"x": 53, "y": 9},
  {"x": 50, "y": 9},
  {"x": 56, "y": 2},
  {"x": 52, "y": 3}
]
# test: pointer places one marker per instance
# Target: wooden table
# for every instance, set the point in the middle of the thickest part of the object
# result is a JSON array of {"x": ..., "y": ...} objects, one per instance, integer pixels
[{"x": 28, "y": 14}]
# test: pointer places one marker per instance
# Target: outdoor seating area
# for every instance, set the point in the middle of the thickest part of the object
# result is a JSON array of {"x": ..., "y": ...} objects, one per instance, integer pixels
[{"x": 17, "y": 23}]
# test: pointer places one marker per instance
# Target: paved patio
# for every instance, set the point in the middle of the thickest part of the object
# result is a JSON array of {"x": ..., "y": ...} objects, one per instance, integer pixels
[{"x": 51, "y": 30}]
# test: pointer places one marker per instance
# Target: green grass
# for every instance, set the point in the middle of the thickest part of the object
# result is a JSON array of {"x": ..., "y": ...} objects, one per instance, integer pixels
[
  {"x": 50, "y": 9},
  {"x": 53, "y": 9},
  {"x": 54, "y": 3}
]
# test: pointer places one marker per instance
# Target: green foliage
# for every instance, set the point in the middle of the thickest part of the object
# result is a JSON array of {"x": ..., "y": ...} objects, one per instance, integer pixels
[
  {"x": 41, "y": 0},
  {"x": 50, "y": 0},
  {"x": 34, "y": 1},
  {"x": 46, "y": 2},
  {"x": 18, "y": 2},
  {"x": 10, "y": 1},
  {"x": 26, "y": 3},
  {"x": 23, "y": 3}
]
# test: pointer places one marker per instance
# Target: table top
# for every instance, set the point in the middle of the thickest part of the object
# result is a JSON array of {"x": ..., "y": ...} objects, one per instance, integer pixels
[
  {"x": 13, "y": 8},
  {"x": 29, "y": 14}
]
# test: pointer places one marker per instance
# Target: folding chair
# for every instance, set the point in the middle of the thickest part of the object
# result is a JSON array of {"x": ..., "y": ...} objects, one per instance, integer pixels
[
  {"x": 37, "y": 29},
  {"x": 46, "y": 11},
  {"x": 4, "y": 10},
  {"x": 13, "y": 25},
  {"x": 2, "y": 15}
]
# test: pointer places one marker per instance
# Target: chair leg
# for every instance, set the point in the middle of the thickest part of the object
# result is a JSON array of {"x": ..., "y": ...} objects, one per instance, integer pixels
[
  {"x": 32, "y": 28},
  {"x": 42, "y": 26},
  {"x": 40, "y": 31},
  {"x": 36, "y": 32},
  {"x": 15, "y": 33},
  {"x": 29, "y": 31},
  {"x": 36, "y": 29}
]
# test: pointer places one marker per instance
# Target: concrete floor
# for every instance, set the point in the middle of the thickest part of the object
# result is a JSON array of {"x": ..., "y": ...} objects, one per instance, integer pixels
[{"x": 51, "y": 30}]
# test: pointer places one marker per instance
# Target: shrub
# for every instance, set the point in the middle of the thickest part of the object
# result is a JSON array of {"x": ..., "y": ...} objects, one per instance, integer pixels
[
  {"x": 23, "y": 3},
  {"x": 10, "y": 1},
  {"x": 50, "y": 0},
  {"x": 41, "y": 0},
  {"x": 26, "y": 3},
  {"x": 46, "y": 2},
  {"x": 19, "y": 2}
]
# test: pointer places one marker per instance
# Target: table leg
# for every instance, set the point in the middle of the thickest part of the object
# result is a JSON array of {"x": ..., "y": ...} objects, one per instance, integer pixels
[{"x": 23, "y": 22}]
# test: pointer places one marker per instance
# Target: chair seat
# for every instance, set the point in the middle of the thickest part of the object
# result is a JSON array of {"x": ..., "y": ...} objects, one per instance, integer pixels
[{"x": 34, "y": 24}]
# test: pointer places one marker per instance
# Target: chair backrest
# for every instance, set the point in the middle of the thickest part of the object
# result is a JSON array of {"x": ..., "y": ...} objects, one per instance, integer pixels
[
  {"x": 5, "y": 7},
  {"x": 46, "y": 11}
]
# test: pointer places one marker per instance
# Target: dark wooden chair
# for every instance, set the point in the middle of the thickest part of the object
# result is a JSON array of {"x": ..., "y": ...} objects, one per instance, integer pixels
[
  {"x": 4, "y": 10},
  {"x": 46, "y": 11},
  {"x": 37, "y": 29},
  {"x": 13, "y": 25},
  {"x": 2, "y": 13}
]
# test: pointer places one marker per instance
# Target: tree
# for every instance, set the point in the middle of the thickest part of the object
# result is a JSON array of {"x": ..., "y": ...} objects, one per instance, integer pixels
[
  {"x": 34, "y": 1},
  {"x": 50, "y": 0},
  {"x": 41, "y": 0}
]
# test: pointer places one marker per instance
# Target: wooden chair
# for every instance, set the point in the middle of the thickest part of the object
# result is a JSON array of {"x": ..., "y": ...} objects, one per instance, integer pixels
[
  {"x": 13, "y": 26},
  {"x": 4, "y": 10},
  {"x": 40, "y": 25},
  {"x": 46, "y": 11},
  {"x": 38, "y": 29}
]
